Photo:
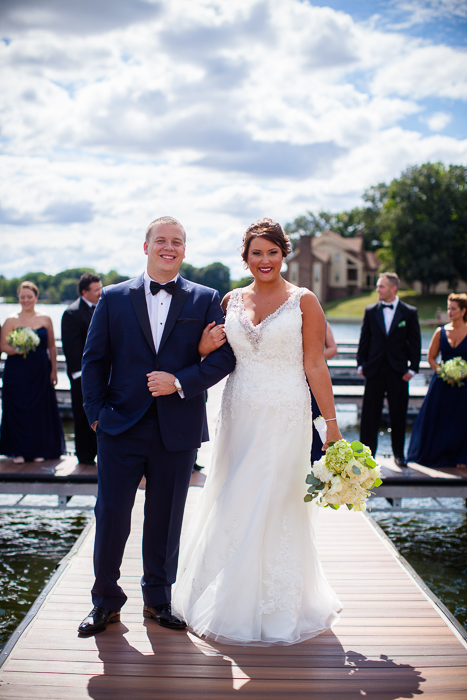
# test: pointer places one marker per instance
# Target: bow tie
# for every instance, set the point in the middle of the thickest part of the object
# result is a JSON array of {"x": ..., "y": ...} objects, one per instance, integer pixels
[
  {"x": 385, "y": 306},
  {"x": 170, "y": 287}
]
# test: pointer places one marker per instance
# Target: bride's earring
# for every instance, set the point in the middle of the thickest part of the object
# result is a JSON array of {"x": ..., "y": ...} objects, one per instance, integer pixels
[{"x": 245, "y": 266}]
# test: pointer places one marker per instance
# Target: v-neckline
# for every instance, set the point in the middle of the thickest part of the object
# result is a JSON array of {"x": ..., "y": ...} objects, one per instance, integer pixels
[
  {"x": 274, "y": 313},
  {"x": 453, "y": 347}
]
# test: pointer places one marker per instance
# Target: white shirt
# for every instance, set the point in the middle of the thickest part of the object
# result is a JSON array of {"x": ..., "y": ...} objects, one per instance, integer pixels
[
  {"x": 389, "y": 313},
  {"x": 158, "y": 310}
]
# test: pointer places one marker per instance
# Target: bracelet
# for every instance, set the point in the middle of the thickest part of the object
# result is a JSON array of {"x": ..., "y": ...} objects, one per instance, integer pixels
[{"x": 326, "y": 420}]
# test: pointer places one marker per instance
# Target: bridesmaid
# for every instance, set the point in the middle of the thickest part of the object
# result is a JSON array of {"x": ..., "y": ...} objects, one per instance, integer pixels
[
  {"x": 31, "y": 429},
  {"x": 438, "y": 437}
]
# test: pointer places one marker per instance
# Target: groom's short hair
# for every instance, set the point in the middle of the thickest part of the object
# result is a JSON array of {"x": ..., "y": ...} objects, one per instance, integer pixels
[
  {"x": 392, "y": 278},
  {"x": 163, "y": 220}
]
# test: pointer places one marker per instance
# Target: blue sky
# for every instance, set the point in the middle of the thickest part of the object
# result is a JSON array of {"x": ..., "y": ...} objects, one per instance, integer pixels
[{"x": 115, "y": 112}]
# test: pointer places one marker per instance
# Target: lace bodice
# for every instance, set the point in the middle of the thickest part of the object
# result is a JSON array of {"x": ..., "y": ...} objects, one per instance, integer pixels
[{"x": 269, "y": 356}]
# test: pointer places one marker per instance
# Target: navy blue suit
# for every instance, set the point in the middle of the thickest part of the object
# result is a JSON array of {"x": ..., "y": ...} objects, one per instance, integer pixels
[{"x": 138, "y": 435}]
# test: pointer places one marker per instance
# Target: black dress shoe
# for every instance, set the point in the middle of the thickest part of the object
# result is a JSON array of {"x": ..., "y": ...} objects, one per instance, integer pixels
[
  {"x": 97, "y": 620},
  {"x": 197, "y": 468},
  {"x": 163, "y": 615},
  {"x": 400, "y": 462}
]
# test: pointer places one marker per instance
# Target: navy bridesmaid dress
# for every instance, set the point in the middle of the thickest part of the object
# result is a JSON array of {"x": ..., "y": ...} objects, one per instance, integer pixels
[
  {"x": 439, "y": 438},
  {"x": 31, "y": 425}
]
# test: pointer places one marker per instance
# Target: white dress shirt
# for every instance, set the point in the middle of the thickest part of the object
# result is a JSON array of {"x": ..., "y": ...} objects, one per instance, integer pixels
[
  {"x": 77, "y": 375},
  {"x": 389, "y": 313},
  {"x": 158, "y": 309}
]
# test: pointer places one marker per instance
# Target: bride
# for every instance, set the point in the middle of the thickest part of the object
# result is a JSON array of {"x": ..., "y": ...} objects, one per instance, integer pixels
[{"x": 249, "y": 572}]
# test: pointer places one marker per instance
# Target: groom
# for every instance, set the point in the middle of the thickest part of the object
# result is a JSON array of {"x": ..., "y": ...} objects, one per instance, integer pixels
[{"x": 144, "y": 394}]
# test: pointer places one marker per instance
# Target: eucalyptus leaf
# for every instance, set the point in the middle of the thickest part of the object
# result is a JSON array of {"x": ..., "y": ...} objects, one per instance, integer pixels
[
  {"x": 356, "y": 446},
  {"x": 349, "y": 505},
  {"x": 378, "y": 482},
  {"x": 320, "y": 486},
  {"x": 312, "y": 479},
  {"x": 356, "y": 470},
  {"x": 312, "y": 489},
  {"x": 307, "y": 498},
  {"x": 334, "y": 505}
]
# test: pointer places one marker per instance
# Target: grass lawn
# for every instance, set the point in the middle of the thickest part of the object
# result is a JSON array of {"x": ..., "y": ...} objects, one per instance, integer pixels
[{"x": 354, "y": 307}]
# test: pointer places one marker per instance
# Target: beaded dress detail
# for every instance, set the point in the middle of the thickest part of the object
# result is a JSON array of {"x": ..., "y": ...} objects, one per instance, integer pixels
[{"x": 249, "y": 572}]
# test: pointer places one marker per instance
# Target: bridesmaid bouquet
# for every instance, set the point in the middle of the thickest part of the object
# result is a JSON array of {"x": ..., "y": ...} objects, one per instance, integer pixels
[
  {"x": 23, "y": 339},
  {"x": 453, "y": 371},
  {"x": 344, "y": 475}
]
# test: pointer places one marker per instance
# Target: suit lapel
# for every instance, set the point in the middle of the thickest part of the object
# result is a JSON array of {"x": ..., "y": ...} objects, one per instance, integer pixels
[
  {"x": 380, "y": 317},
  {"x": 397, "y": 318},
  {"x": 176, "y": 305},
  {"x": 85, "y": 309},
  {"x": 138, "y": 299}
]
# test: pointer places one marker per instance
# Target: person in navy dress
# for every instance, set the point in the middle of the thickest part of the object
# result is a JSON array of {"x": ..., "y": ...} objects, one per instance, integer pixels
[
  {"x": 31, "y": 429},
  {"x": 144, "y": 388},
  {"x": 439, "y": 438}
]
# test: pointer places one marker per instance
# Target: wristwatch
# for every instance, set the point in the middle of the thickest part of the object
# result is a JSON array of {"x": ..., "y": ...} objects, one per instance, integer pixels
[{"x": 177, "y": 384}]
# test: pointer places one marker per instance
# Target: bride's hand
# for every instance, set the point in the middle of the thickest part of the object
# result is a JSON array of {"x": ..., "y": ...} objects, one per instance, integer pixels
[
  {"x": 213, "y": 337},
  {"x": 333, "y": 434}
]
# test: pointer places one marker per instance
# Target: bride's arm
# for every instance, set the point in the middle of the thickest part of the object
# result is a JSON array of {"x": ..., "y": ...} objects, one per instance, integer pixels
[
  {"x": 5, "y": 346},
  {"x": 313, "y": 331},
  {"x": 213, "y": 336}
]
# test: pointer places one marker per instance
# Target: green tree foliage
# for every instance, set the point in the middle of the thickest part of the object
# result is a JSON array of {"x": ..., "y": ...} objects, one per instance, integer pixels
[
  {"x": 423, "y": 220},
  {"x": 215, "y": 275},
  {"x": 54, "y": 289}
]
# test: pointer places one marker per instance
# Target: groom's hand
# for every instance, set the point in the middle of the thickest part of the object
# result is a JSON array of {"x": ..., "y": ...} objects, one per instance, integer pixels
[{"x": 161, "y": 383}]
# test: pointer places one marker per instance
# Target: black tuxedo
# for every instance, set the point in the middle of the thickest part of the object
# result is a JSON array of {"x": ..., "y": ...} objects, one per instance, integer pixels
[
  {"x": 75, "y": 324},
  {"x": 138, "y": 435},
  {"x": 385, "y": 358}
]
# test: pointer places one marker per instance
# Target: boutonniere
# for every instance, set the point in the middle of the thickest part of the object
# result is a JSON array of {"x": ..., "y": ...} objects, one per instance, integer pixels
[{"x": 402, "y": 324}]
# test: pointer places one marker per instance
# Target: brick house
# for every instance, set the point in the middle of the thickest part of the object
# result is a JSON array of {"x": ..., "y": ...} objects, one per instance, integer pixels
[{"x": 332, "y": 266}]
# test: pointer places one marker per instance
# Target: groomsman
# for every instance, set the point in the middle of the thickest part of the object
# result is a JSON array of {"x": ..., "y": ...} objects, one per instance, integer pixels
[
  {"x": 388, "y": 357},
  {"x": 75, "y": 324}
]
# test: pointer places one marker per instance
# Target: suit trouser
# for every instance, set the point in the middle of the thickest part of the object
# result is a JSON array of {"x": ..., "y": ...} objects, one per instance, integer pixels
[
  {"x": 122, "y": 461},
  {"x": 85, "y": 438},
  {"x": 387, "y": 382}
]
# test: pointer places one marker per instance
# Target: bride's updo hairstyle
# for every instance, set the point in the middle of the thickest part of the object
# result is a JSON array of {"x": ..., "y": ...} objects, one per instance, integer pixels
[
  {"x": 271, "y": 231},
  {"x": 461, "y": 301}
]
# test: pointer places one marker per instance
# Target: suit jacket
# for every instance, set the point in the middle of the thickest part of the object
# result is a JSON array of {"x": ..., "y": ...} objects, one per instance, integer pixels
[
  {"x": 75, "y": 324},
  {"x": 120, "y": 352},
  {"x": 401, "y": 347}
]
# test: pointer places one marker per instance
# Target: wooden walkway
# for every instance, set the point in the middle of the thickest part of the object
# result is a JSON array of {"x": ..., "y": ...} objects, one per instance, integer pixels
[{"x": 391, "y": 642}]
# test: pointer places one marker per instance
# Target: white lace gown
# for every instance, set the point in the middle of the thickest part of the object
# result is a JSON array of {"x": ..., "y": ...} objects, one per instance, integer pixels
[{"x": 249, "y": 572}]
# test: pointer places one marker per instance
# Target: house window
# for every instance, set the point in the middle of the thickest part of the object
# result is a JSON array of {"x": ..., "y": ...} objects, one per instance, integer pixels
[
  {"x": 337, "y": 277},
  {"x": 317, "y": 272},
  {"x": 368, "y": 280},
  {"x": 352, "y": 274},
  {"x": 338, "y": 257}
]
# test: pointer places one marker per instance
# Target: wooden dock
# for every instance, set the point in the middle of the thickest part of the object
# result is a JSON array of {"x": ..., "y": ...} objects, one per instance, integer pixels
[{"x": 393, "y": 641}]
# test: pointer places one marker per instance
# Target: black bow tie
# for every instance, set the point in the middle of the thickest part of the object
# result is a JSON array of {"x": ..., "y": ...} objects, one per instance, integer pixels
[
  {"x": 385, "y": 306},
  {"x": 170, "y": 287}
]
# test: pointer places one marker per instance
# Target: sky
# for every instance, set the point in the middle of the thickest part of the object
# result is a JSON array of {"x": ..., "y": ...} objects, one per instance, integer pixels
[{"x": 216, "y": 112}]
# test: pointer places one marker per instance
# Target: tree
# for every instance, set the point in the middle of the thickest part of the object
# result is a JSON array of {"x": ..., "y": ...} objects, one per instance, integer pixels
[
  {"x": 216, "y": 275},
  {"x": 423, "y": 220}
]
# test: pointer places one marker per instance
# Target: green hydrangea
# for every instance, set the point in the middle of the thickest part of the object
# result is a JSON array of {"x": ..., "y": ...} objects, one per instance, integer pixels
[{"x": 338, "y": 455}]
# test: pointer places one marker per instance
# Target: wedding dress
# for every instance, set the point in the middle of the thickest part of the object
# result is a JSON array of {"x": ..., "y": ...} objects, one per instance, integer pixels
[{"x": 249, "y": 572}]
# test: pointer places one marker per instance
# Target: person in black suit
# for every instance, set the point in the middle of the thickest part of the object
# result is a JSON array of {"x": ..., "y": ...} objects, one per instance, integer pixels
[
  {"x": 388, "y": 356},
  {"x": 75, "y": 324},
  {"x": 144, "y": 388}
]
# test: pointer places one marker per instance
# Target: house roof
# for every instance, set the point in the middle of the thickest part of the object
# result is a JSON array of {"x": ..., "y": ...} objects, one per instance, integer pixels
[
  {"x": 351, "y": 245},
  {"x": 371, "y": 260}
]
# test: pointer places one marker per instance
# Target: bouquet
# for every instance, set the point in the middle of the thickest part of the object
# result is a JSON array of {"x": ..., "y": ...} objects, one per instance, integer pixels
[
  {"x": 23, "y": 339},
  {"x": 453, "y": 371},
  {"x": 345, "y": 474}
]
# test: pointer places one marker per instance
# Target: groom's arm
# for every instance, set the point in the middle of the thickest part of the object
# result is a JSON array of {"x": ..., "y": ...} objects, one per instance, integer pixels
[
  {"x": 96, "y": 362},
  {"x": 198, "y": 377}
]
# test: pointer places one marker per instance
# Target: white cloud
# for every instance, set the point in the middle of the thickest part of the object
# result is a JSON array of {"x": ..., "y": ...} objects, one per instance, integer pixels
[
  {"x": 438, "y": 121},
  {"x": 216, "y": 113}
]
